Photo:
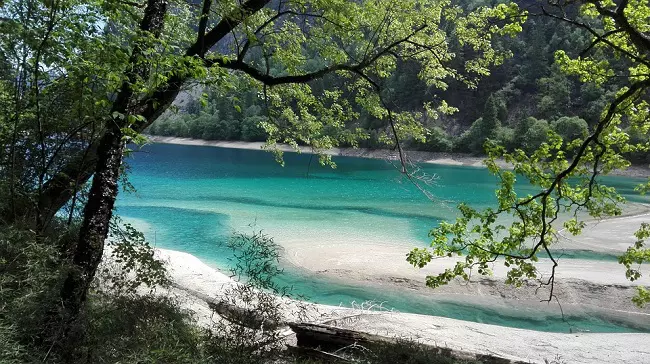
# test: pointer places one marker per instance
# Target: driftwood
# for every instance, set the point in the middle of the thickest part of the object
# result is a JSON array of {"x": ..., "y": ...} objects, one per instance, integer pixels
[
  {"x": 242, "y": 316},
  {"x": 319, "y": 340}
]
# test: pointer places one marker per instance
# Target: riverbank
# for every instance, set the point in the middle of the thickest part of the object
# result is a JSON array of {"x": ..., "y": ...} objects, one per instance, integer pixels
[
  {"x": 194, "y": 281},
  {"x": 452, "y": 159}
]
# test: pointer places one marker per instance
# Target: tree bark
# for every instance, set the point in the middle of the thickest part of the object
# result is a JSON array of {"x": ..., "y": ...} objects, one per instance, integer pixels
[
  {"x": 103, "y": 192},
  {"x": 97, "y": 215}
]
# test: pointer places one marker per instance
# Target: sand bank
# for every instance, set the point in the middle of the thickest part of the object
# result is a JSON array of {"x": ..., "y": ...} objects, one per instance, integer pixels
[
  {"x": 191, "y": 275},
  {"x": 451, "y": 159},
  {"x": 597, "y": 287}
]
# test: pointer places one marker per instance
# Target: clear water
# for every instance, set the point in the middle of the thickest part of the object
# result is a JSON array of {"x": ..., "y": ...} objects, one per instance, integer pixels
[{"x": 192, "y": 198}]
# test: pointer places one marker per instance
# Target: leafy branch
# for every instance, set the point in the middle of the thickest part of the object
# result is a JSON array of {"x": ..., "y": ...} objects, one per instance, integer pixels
[{"x": 567, "y": 187}]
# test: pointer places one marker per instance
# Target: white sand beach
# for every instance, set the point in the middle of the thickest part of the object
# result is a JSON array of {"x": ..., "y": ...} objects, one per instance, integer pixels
[{"x": 193, "y": 278}]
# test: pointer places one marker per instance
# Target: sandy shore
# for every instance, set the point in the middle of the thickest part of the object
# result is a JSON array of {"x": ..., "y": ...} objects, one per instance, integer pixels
[
  {"x": 193, "y": 279},
  {"x": 452, "y": 159}
]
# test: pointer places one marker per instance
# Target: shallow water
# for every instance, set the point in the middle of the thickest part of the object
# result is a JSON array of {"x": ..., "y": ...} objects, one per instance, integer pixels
[{"x": 193, "y": 198}]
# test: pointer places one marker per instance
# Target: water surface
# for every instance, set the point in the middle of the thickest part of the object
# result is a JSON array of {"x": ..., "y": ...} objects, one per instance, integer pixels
[{"x": 193, "y": 198}]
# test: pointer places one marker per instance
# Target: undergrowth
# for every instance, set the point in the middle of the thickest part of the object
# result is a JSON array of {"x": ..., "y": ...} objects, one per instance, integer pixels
[{"x": 126, "y": 321}]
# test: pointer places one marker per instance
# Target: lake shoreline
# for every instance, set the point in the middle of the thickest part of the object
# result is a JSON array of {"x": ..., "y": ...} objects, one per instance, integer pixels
[
  {"x": 194, "y": 281},
  {"x": 335, "y": 254},
  {"x": 441, "y": 158},
  {"x": 342, "y": 256}
]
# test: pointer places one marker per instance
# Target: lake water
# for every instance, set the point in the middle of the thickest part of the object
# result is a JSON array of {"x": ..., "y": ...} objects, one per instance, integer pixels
[{"x": 192, "y": 198}]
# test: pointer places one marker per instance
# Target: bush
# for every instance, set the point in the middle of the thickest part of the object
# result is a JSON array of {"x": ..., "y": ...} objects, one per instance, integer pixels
[
  {"x": 437, "y": 141},
  {"x": 253, "y": 309},
  {"x": 473, "y": 139},
  {"x": 31, "y": 272},
  {"x": 521, "y": 128},
  {"x": 12, "y": 351},
  {"x": 530, "y": 133},
  {"x": 139, "y": 329},
  {"x": 131, "y": 264},
  {"x": 505, "y": 137},
  {"x": 229, "y": 129},
  {"x": 251, "y": 130},
  {"x": 173, "y": 125},
  {"x": 554, "y": 94},
  {"x": 638, "y": 139},
  {"x": 570, "y": 128},
  {"x": 484, "y": 128},
  {"x": 117, "y": 325},
  {"x": 196, "y": 124}
]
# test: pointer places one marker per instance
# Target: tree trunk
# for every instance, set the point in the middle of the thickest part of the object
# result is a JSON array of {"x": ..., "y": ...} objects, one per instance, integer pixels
[
  {"x": 97, "y": 215},
  {"x": 103, "y": 192},
  {"x": 99, "y": 207}
]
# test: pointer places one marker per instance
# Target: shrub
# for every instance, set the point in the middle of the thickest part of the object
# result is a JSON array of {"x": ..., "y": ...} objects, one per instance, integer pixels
[
  {"x": 12, "y": 351},
  {"x": 253, "y": 309},
  {"x": 472, "y": 140},
  {"x": 31, "y": 271},
  {"x": 139, "y": 329},
  {"x": 437, "y": 141},
  {"x": 530, "y": 133},
  {"x": 505, "y": 137},
  {"x": 117, "y": 325},
  {"x": 638, "y": 138},
  {"x": 570, "y": 128},
  {"x": 131, "y": 263},
  {"x": 251, "y": 130}
]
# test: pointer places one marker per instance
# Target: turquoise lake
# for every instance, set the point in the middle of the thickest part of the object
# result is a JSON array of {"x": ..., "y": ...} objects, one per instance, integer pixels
[{"x": 192, "y": 198}]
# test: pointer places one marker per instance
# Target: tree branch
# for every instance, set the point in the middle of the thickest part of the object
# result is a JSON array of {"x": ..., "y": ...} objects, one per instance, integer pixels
[
  {"x": 226, "y": 25},
  {"x": 640, "y": 40},
  {"x": 599, "y": 37},
  {"x": 203, "y": 23}
]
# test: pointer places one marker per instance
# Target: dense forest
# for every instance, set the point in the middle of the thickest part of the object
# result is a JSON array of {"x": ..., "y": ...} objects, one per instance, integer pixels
[
  {"x": 559, "y": 89},
  {"x": 516, "y": 105}
]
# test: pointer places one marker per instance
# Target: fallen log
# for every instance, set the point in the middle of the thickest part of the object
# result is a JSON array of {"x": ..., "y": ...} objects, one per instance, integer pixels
[
  {"x": 319, "y": 339},
  {"x": 234, "y": 314},
  {"x": 333, "y": 338}
]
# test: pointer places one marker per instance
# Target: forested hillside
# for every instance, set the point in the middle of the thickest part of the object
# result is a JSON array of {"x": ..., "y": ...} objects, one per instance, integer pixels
[{"x": 516, "y": 105}]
